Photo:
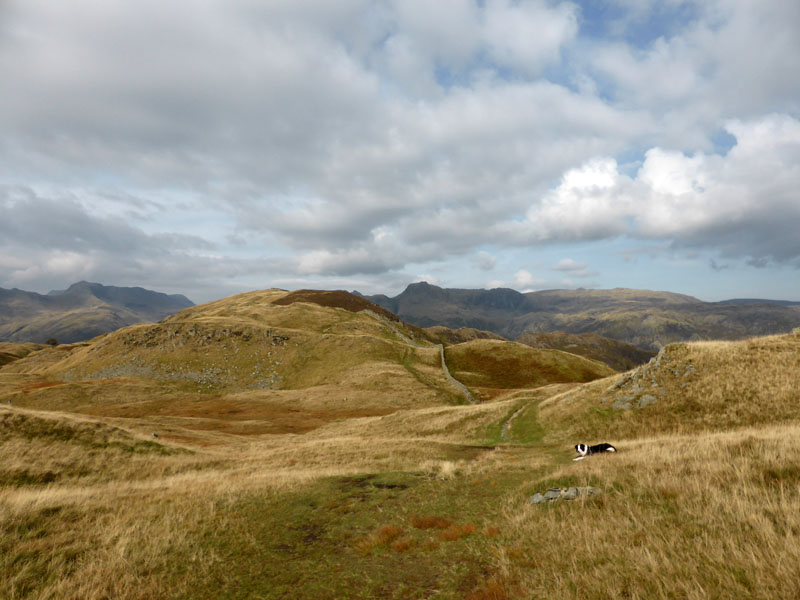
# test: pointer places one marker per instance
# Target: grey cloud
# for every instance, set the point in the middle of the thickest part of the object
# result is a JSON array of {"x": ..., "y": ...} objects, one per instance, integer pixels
[
  {"x": 486, "y": 261},
  {"x": 63, "y": 224},
  {"x": 331, "y": 129},
  {"x": 49, "y": 242}
]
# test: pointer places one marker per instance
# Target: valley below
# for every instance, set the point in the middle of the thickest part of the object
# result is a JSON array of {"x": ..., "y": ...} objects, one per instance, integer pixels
[{"x": 313, "y": 445}]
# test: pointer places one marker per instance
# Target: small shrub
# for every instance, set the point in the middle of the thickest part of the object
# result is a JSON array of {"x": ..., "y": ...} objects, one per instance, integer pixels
[
  {"x": 430, "y": 523},
  {"x": 456, "y": 532},
  {"x": 403, "y": 545},
  {"x": 493, "y": 589}
]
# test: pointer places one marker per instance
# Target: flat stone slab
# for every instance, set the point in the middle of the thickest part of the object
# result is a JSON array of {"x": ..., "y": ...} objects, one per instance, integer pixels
[{"x": 571, "y": 493}]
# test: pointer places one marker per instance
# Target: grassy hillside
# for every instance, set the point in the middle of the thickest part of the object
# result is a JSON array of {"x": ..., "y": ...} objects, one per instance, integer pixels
[
  {"x": 490, "y": 365},
  {"x": 241, "y": 495},
  {"x": 617, "y": 355},
  {"x": 689, "y": 388},
  {"x": 267, "y": 362},
  {"x": 448, "y": 337},
  {"x": 10, "y": 352},
  {"x": 243, "y": 364}
]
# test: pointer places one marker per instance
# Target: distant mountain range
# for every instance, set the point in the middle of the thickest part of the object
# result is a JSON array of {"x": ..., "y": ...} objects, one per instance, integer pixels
[
  {"x": 82, "y": 311},
  {"x": 645, "y": 319}
]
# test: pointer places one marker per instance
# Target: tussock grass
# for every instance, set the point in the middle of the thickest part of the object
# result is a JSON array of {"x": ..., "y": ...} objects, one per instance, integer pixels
[
  {"x": 696, "y": 387},
  {"x": 679, "y": 517},
  {"x": 9, "y": 352}
]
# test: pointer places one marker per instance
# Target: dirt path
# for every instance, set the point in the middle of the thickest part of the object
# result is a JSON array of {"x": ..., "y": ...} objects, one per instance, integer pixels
[{"x": 505, "y": 430}]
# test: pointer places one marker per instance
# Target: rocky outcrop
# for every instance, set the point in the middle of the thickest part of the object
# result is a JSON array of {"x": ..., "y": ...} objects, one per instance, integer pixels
[
  {"x": 645, "y": 385},
  {"x": 571, "y": 493}
]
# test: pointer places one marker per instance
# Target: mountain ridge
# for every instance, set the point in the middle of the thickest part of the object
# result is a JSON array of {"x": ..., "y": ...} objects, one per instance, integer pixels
[
  {"x": 644, "y": 318},
  {"x": 82, "y": 311}
]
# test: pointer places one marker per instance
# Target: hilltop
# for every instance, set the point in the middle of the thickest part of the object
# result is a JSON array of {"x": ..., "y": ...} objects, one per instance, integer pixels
[
  {"x": 646, "y": 319},
  {"x": 81, "y": 312}
]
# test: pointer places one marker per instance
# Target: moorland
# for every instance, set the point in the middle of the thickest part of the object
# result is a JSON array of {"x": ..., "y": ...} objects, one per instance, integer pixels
[{"x": 314, "y": 445}]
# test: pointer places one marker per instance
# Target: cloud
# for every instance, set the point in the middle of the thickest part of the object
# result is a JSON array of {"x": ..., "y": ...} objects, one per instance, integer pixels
[
  {"x": 743, "y": 204},
  {"x": 486, "y": 261},
  {"x": 362, "y": 141},
  {"x": 573, "y": 268},
  {"x": 52, "y": 241},
  {"x": 700, "y": 72},
  {"x": 525, "y": 281},
  {"x": 528, "y": 36}
]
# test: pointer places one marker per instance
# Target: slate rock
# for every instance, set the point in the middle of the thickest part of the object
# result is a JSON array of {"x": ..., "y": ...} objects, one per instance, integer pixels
[
  {"x": 552, "y": 494},
  {"x": 647, "y": 400},
  {"x": 622, "y": 403}
]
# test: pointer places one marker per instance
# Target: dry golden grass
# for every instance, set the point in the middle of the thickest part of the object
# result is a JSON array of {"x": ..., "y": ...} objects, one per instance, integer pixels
[
  {"x": 364, "y": 477},
  {"x": 9, "y": 352},
  {"x": 680, "y": 517},
  {"x": 697, "y": 387},
  {"x": 492, "y": 365}
]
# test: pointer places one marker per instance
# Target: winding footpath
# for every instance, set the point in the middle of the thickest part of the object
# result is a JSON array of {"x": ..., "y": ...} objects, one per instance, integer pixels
[{"x": 506, "y": 428}]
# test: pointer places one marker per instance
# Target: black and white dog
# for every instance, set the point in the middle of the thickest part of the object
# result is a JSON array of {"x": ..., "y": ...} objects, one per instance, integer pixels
[{"x": 585, "y": 450}]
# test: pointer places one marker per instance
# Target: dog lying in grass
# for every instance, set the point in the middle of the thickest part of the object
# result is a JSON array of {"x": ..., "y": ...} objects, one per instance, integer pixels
[{"x": 585, "y": 450}]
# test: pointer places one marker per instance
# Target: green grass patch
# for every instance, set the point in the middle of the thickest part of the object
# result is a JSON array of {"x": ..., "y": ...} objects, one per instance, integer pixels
[
  {"x": 526, "y": 427},
  {"x": 364, "y": 536}
]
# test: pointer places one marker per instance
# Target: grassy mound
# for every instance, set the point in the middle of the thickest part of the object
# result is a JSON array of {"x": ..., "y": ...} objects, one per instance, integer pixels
[
  {"x": 617, "y": 355},
  {"x": 688, "y": 388},
  {"x": 448, "y": 337},
  {"x": 10, "y": 352},
  {"x": 497, "y": 365},
  {"x": 335, "y": 299}
]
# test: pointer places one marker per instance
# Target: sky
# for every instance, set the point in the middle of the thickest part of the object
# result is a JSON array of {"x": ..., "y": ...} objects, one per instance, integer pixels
[{"x": 220, "y": 146}]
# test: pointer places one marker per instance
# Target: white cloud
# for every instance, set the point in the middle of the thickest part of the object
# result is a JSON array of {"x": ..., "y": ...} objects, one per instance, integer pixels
[
  {"x": 528, "y": 36},
  {"x": 525, "y": 281},
  {"x": 590, "y": 203},
  {"x": 574, "y": 268},
  {"x": 742, "y": 203}
]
